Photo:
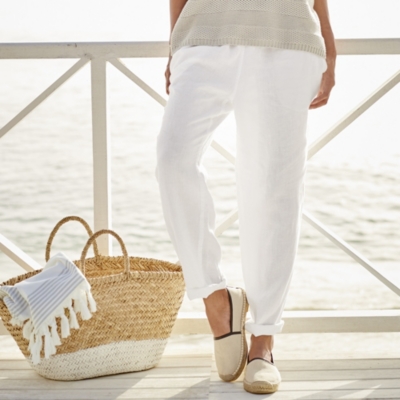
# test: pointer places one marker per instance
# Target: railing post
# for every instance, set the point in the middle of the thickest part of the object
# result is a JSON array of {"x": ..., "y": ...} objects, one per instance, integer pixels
[{"x": 101, "y": 154}]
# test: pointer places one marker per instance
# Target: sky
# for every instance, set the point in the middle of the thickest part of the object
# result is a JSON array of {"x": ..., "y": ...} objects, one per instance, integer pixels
[{"x": 142, "y": 20}]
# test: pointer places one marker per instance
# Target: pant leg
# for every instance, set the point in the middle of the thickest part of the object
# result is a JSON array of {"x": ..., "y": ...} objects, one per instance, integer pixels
[
  {"x": 271, "y": 104},
  {"x": 200, "y": 99}
]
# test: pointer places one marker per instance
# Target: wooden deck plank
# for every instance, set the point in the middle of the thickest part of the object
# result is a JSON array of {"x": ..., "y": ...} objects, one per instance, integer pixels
[
  {"x": 168, "y": 393},
  {"x": 187, "y": 382},
  {"x": 335, "y": 375},
  {"x": 196, "y": 361},
  {"x": 165, "y": 362},
  {"x": 321, "y": 380},
  {"x": 327, "y": 364},
  {"x": 172, "y": 359},
  {"x": 151, "y": 373},
  {"x": 176, "y": 382},
  {"x": 194, "y": 376},
  {"x": 178, "y": 377},
  {"x": 314, "y": 394},
  {"x": 357, "y": 384}
]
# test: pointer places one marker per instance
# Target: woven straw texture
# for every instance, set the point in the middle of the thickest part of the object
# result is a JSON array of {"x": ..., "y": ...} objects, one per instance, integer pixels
[
  {"x": 137, "y": 299},
  {"x": 107, "y": 359}
]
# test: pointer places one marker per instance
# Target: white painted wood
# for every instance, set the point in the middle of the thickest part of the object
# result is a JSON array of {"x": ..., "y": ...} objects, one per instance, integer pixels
[
  {"x": 134, "y": 384},
  {"x": 226, "y": 222},
  {"x": 287, "y": 386},
  {"x": 368, "y": 46},
  {"x": 308, "y": 322},
  {"x": 341, "y": 321},
  {"x": 44, "y": 95},
  {"x": 27, "y": 373},
  {"x": 301, "y": 322},
  {"x": 351, "y": 116},
  {"x": 336, "y": 364},
  {"x": 223, "y": 151},
  {"x": 82, "y": 49},
  {"x": 182, "y": 366},
  {"x": 322, "y": 379},
  {"x": 201, "y": 364},
  {"x": 195, "y": 377},
  {"x": 191, "y": 360},
  {"x": 161, "y": 48},
  {"x": 186, "y": 376},
  {"x": 134, "y": 78},
  {"x": 111, "y": 393},
  {"x": 373, "y": 393},
  {"x": 191, "y": 323},
  {"x": 101, "y": 154},
  {"x": 17, "y": 255},
  {"x": 360, "y": 259}
]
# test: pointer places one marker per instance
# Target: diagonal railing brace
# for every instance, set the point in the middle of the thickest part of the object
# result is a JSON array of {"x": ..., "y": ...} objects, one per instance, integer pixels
[{"x": 44, "y": 95}]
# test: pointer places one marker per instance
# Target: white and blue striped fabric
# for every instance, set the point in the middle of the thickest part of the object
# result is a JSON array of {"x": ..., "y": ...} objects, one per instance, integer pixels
[{"x": 36, "y": 302}]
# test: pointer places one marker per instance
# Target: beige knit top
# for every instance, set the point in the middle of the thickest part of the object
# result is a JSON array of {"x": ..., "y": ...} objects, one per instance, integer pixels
[{"x": 288, "y": 24}]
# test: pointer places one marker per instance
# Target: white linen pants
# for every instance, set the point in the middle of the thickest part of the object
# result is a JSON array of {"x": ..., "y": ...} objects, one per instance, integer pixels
[{"x": 269, "y": 90}]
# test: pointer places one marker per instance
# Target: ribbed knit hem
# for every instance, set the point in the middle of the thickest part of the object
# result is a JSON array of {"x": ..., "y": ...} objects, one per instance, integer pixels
[{"x": 249, "y": 42}]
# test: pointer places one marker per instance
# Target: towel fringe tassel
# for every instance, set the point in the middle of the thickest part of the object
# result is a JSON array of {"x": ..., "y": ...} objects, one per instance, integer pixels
[
  {"x": 54, "y": 333},
  {"x": 73, "y": 321},
  {"x": 77, "y": 302}
]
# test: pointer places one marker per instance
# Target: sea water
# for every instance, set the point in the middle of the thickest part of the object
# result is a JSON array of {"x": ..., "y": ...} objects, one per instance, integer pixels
[{"x": 352, "y": 185}]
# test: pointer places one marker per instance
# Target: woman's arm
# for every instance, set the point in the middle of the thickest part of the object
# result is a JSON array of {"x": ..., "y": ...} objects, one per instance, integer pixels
[
  {"x": 328, "y": 78},
  {"x": 175, "y": 8}
]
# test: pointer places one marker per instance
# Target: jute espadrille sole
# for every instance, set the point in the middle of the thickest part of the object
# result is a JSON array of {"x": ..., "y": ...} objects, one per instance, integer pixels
[
  {"x": 260, "y": 387},
  {"x": 269, "y": 384},
  {"x": 243, "y": 347}
]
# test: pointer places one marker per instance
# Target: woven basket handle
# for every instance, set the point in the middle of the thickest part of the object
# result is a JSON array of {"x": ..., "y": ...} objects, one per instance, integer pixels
[
  {"x": 93, "y": 238},
  {"x": 58, "y": 226}
]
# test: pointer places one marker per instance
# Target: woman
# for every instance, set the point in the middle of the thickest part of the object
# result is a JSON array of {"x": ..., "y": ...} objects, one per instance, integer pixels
[{"x": 270, "y": 62}]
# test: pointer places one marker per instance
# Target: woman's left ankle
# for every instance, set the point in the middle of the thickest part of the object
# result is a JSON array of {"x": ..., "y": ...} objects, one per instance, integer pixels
[{"x": 261, "y": 347}]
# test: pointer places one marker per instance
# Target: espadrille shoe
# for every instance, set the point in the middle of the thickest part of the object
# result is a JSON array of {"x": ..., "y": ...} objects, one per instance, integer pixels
[
  {"x": 261, "y": 376},
  {"x": 231, "y": 349}
]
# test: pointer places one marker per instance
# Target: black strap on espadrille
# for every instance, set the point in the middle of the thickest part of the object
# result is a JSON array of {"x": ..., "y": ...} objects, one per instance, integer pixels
[
  {"x": 260, "y": 358},
  {"x": 231, "y": 321}
]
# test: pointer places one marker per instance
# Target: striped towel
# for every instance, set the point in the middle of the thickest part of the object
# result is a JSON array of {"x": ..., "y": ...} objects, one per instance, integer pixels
[{"x": 36, "y": 302}]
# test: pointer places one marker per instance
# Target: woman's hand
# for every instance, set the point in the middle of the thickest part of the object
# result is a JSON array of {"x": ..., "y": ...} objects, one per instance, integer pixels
[
  {"x": 167, "y": 75},
  {"x": 175, "y": 7},
  {"x": 327, "y": 83},
  {"x": 328, "y": 77}
]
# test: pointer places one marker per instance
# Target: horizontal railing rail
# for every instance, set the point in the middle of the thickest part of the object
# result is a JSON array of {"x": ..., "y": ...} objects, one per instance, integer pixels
[
  {"x": 100, "y": 53},
  {"x": 161, "y": 48}
]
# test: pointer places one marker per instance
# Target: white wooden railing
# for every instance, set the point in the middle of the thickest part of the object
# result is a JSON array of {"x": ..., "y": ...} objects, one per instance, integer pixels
[{"x": 99, "y": 54}]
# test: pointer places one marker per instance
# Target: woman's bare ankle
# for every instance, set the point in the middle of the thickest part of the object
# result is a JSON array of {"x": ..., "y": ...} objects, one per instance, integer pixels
[
  {"x": 261, "y": 347},
  {"x": 218, "y": 312}
]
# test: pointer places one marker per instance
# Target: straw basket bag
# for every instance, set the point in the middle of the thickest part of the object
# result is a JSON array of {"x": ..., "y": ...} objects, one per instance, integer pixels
[{"x": 138, "y": 300}]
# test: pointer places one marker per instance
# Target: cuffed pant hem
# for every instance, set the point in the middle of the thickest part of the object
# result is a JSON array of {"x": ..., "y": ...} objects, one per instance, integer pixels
[
  {"x": 196, "y": 293},
  {"x": 258, "y": 330}
]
